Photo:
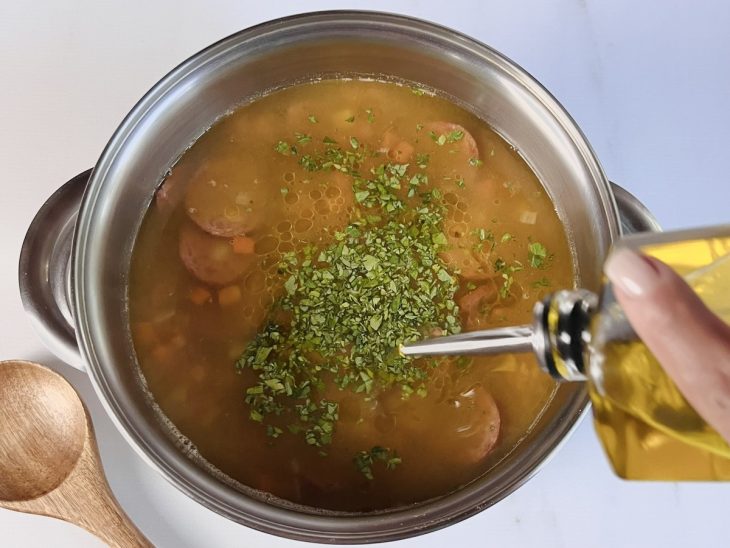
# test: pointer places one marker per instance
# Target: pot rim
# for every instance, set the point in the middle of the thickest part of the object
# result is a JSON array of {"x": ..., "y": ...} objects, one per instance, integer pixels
[{"x": 377, "y": 527}]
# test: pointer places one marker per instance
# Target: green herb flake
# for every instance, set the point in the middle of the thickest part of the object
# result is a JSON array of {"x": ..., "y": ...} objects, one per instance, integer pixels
[
  {"x": 273, "y": 431},
  {"x": 284, "y": 148},
  {"x": 302, "y": 138},
  {"x": 504, "y": 291},
  {"x": 354, "y": 143},
  {"x": 422, "y": 160},
  {"x": 365, "y": 460},
  {"x": 537, "y": 255},
  {"x": 444, "y": 276},
  {"x": 439, "y": 238},
  {"x": 418, "y": 91},
  {"x": 475, "y": 162},
  {"x": 312, "y": 119},
  {"x": 350, "y": 120},
  {"x": 370, "y": 262},
  {"x": 485, "y": 235},
  {"x": 455, "y": 136},
  {"x": 274, "y": 384},
  {"x": 291, "y": 285},
  {"x": 309, "y": 163},
  {"x": 507, "y": 272},
  {"x": 370, "y": 114},
  {"x": 255, "y": 416},
  {"x": 438, "y": 138},
  {"x": 375, "y": 322}
]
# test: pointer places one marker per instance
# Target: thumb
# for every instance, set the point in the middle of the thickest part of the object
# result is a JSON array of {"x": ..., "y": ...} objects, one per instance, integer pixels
[{"x": 691, "y": 343}]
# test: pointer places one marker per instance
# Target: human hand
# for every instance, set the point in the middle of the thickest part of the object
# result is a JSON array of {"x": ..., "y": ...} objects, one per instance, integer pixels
[{"x": 691, "y": 343}]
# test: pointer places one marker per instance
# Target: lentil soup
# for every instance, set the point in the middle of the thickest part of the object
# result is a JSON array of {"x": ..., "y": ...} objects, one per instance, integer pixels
[{"x": 291, "y": 250}]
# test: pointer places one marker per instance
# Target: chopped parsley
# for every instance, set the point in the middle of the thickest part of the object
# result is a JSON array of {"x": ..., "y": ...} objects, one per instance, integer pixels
[
  {"x": 365, "y": 460},
  {"x": 312, "y": 119},
  {"x": 284, "y": 148},
  {"x": 443, "y": 138},
  {"x": 484, "y": 237},
  {"x": 537, "y": 255},
  {"x": 507, "y": 273},
  {"x": 370, "y": 114},
  {"x": 335, "y": 158},
  {"x": 302, "y": 138},
  {"x": 439, "y": 139},
  {"x": 353, "y": 302},
  {"x": 455, "y": 136}
]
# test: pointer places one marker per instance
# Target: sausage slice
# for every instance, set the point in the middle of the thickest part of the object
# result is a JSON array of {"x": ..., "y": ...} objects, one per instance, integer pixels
[{"x": 211, "y": 259}]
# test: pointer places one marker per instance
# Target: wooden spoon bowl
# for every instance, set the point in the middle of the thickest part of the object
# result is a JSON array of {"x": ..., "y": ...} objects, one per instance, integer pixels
[{"x": 49, "y": 461}]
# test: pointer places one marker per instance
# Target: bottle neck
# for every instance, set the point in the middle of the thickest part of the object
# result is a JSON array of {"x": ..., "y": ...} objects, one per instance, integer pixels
[{"x": 562, "y": 333}]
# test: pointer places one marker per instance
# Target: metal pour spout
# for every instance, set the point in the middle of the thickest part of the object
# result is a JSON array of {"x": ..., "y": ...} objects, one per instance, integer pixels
[{"x": 491, "y": 341}]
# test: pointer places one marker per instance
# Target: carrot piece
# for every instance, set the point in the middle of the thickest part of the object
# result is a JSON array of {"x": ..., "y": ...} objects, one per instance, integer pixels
[
  {"x": 229, "y": 295},
  {"x": 163, "y": 354},
  {"x": 197, "y": 373},
  {"x": 144, "y": 333},
  {"x": 178, "y": 341},
  {"x": 243, "y": 245},
  {"x": 199, "y": 295}
]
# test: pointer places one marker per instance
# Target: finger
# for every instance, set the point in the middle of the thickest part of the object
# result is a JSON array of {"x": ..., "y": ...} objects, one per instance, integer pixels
[{"x": 691, "y": 343}]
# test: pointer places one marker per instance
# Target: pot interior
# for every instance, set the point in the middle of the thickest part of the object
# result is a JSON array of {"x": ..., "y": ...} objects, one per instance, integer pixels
[{"x": 237, "y": 69}]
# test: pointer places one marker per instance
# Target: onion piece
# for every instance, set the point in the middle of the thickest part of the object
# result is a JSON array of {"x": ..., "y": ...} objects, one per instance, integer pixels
[{"x": 528, "y": 217}]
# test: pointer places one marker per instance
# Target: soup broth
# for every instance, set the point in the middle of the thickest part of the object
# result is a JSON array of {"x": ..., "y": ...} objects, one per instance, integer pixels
[{"x": 291, "y": 250}]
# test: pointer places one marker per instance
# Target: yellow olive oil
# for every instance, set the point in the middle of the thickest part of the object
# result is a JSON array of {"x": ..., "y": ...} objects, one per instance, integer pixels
[{"x": 647, "y": 428}]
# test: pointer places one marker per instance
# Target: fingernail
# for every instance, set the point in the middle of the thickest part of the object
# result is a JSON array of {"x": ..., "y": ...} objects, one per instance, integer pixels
[{"x": 631, "y": 272}]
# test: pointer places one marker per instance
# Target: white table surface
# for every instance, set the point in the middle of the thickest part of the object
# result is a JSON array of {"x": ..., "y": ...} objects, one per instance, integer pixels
[{"x": 649, "y": 83}]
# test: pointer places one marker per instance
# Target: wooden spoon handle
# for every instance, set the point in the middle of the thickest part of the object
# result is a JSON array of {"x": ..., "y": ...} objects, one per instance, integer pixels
[
  {"x": 84, "y": 499},
  {"x": 102, "y": 516}
]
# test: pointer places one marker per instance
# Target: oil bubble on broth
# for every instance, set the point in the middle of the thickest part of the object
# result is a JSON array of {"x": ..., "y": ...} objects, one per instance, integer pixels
[{"x": 296, "y": 245}]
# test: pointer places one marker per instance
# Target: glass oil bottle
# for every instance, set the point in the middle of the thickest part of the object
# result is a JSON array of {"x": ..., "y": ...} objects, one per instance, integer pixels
[{"x": 647, "y": 428}]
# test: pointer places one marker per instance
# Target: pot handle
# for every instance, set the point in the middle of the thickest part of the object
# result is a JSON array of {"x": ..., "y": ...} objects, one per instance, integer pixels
[
  {"x": 44, "y": 272},
  {"x": 635, "y": 216}
]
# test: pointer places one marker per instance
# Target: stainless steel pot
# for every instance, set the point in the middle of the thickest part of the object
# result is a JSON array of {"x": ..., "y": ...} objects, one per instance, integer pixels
[{"x": 77, "y": 293}]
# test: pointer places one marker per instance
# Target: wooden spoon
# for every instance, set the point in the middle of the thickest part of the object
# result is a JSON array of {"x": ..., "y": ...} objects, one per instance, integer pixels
[{"x": 49, "y": 461}]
